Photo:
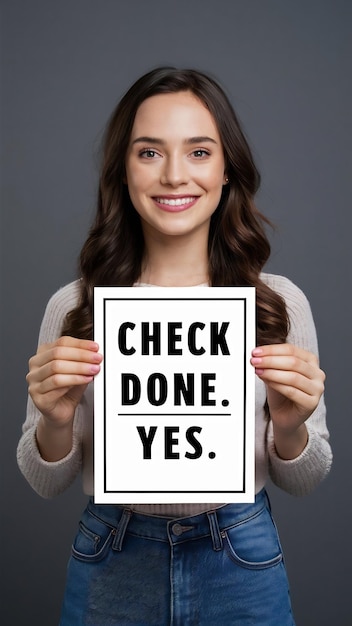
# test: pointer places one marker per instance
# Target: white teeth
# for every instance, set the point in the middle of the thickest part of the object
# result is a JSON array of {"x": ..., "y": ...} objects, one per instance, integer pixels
[{"x": 176, "y": 201}]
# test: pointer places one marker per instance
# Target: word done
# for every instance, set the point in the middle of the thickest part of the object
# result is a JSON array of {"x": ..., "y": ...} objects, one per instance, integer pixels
[{"x": 157, "y": 389}]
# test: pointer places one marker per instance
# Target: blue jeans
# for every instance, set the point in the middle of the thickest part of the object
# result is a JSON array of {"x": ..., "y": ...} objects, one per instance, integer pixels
[{"x": 220, "y": 568}]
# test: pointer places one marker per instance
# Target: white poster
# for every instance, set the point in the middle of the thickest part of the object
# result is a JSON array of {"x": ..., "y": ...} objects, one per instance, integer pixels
[{"x": 174, "y": 401}]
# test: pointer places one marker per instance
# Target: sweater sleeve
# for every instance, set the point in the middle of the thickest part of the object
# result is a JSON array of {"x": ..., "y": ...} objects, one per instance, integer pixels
[
  {"x": 49, "y": 479},
  {"x": 301, "y": 475}
]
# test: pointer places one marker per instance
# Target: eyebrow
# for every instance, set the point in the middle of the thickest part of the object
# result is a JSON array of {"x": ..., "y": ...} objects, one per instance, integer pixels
[{"x": 161, "y": 142}]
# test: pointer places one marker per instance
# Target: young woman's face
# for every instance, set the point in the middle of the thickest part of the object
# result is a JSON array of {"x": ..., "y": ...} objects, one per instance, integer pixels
[{"x": 175, "y": 167}]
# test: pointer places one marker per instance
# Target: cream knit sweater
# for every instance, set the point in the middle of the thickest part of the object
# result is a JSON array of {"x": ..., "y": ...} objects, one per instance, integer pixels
[{"x": 298, "y": 476}]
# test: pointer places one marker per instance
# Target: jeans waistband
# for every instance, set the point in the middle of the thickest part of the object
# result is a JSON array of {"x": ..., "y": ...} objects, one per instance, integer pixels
[{"x": 176, "y": 530}]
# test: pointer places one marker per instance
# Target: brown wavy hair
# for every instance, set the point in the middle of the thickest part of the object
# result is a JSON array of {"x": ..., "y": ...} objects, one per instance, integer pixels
[{"x": 238, "y": 246}]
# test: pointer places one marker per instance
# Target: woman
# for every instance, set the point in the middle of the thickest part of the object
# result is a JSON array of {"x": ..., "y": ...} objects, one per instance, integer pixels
[{"x": 176, "y": 208}]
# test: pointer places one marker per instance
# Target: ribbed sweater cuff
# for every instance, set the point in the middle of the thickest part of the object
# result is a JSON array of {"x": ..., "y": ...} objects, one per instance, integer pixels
[
  {"x": 301, "y": 475},
  {"x": 45, "y": 476}
]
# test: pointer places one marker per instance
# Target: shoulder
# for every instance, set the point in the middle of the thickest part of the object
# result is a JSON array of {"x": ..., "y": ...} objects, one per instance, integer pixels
[
  {"x": 60, "y": 303},
  {"x": 302, "y": 329},
  {"x": 66, "y": 298},
  {"x": 293, "y": 295}
]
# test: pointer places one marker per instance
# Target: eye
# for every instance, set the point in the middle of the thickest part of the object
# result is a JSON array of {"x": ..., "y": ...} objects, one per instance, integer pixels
[
  {"x": 148, "y": 153},
  {"x": 200, "y": 153}
]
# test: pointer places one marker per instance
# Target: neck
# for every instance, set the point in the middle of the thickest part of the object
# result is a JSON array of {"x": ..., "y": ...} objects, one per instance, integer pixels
[{"x": 175, "y": 262}]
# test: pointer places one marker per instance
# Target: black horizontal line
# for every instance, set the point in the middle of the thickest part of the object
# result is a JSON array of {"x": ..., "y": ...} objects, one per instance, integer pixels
[{"x": 177, "y": 414}]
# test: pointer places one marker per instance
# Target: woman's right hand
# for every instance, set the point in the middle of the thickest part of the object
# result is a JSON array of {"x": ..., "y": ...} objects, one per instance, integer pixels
[{"x": 58, "y": 375}]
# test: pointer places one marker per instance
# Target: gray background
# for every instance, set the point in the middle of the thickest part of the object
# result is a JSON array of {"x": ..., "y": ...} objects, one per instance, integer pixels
[{"x": 286, "y": 67}]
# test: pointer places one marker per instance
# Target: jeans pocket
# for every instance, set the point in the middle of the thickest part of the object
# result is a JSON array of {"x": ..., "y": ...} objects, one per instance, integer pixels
[
  {"x": 92, "y": 540},
  {"x": 254, "y": 543}
]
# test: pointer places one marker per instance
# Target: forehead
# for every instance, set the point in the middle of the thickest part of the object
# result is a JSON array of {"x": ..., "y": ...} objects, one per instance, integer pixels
[{"x": 170, "y": 114}]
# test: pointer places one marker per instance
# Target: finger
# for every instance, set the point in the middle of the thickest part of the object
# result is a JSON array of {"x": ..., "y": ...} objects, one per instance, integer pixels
[
  {"x": 49, "y": 403},
  {"x": 292, "y": 380},
  {"x": 289, "y": 363},
  {"x": 285, "y": 349},
  {"x": 63, "y": 367},
  {"x": 58, "y": 382},
  {"x": 298, "y": 397},
  {"x": 64, "y": 353},
  {"x": 73, "y": 342}
]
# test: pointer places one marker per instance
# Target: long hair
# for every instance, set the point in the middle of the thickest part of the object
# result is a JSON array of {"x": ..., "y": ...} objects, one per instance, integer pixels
[{"x": 238, "y": 246}]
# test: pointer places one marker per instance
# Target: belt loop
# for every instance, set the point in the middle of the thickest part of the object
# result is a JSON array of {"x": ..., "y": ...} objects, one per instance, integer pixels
[
  {"x": 215, "y": 530},
  {"x": 121, "y": 529}
]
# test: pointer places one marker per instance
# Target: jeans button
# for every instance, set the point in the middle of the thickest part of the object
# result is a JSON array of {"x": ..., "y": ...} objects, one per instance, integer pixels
[{"x": 177, "y": 529}]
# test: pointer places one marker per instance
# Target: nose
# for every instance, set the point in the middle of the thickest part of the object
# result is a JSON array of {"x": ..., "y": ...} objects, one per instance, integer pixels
[{"x": 174, "y": 172}]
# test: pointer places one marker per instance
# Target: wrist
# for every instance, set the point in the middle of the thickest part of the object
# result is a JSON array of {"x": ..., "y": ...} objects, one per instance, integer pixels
[
  {"x": 289, "y": 444},
  {"x": 53, "y": 425},
  {"x": 54, "y": 441}
]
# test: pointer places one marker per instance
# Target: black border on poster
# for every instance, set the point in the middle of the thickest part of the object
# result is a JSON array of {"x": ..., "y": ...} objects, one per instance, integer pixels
[{"x": 153, "y": 491}]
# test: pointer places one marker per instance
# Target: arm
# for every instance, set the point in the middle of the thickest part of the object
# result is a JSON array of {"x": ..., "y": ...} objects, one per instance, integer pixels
[
  {"x": 298, "y": 448},
  {"x": 49, "y": 452}
]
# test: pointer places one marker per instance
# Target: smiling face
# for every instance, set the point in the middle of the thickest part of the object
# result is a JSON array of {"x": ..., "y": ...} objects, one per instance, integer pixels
[{"x": 175, "y": 167}]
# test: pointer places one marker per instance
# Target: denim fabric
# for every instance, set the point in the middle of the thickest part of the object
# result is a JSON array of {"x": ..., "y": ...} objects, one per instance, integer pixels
[{"x": 220, "y": 568}]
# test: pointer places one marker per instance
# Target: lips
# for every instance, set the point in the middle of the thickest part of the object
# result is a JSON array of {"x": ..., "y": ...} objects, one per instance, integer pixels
[{"x": 174, "y": 204}]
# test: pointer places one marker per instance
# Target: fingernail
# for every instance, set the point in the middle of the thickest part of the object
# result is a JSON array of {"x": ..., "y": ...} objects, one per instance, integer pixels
[
  {"x": 94, "y": 369},
  {"x": 256, "y": 360},
  {"x": 257, "y": 351}
]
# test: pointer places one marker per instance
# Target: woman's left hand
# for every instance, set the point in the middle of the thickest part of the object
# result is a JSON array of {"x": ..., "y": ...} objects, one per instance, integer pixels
[{"x": 294, "y": 383}]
